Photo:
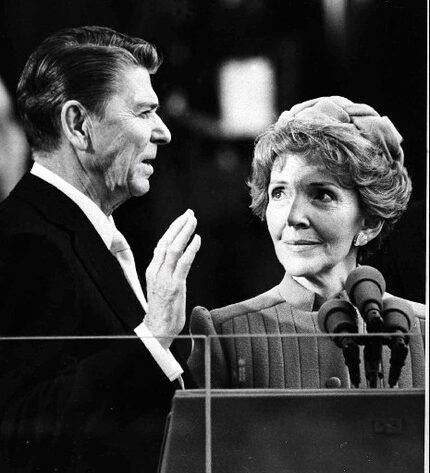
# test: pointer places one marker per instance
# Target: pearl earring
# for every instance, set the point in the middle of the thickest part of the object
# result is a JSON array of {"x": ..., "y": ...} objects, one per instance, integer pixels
[{"x": 360, "y": 239}]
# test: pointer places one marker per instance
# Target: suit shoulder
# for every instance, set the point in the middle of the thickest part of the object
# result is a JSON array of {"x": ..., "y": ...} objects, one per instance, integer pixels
[
  {"x": 18, "y": 216},
  {"x": 28, "y": 238},
  {"x": 255, "y": 304}
]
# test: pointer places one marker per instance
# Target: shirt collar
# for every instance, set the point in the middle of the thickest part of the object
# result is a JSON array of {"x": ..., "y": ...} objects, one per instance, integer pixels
[
  {"x": 103, "y": 224},
  {"x": 300, "y": 297},
  {"x": 296, "y": 295}
]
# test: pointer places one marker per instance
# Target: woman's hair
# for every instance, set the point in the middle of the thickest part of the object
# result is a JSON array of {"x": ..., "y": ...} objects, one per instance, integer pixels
[
  {"x": 382, "y": 183},
  {"x": 80, "y": 64}
]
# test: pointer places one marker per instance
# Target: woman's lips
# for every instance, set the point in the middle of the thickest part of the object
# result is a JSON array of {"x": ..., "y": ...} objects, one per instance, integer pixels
[
  {"x": 301, "y": 242},
  {"x": 300, "y": 246}
]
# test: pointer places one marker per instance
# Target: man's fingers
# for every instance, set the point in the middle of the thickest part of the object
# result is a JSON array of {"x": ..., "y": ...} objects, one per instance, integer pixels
[
  {"x": 175, "y": 250},
  {"x": 186, "y": 260},
  {"x": 157, "y": 260},
  {"x": 160, "y": 250},
  {"x": 175, "y": 227}
]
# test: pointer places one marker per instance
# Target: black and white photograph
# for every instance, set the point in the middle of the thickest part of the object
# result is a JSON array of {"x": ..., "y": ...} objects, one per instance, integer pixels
[{"x": 214, "y": 233}]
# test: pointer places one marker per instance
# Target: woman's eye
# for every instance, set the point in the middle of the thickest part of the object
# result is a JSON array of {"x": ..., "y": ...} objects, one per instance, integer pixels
[
  {"x": 277, "y": 193},
  {"x": 324, "y": 195}
]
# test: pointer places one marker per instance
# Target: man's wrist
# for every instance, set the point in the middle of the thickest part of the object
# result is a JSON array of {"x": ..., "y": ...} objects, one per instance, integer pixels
[
  {"x": 164, "y": 340},
  {"x": 161, "y": 355}
]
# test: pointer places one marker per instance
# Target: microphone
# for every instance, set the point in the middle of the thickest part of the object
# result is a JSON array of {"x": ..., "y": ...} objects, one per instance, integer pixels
[
  {"x": 398, "y": 316},
  {"x": 338, "y": 316},
  {"x": 365, "y": 286}
]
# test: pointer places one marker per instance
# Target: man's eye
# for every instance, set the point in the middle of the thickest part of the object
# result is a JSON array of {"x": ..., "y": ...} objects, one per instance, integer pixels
[{"x": 277, "y": 193}]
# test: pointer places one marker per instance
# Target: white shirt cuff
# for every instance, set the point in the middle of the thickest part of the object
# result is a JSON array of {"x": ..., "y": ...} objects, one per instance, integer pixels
[{"x": 164, "y": 358}]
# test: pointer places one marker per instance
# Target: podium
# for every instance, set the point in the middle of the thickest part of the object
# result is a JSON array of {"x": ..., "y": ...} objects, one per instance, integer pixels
[{"x": 295, "y": 431}]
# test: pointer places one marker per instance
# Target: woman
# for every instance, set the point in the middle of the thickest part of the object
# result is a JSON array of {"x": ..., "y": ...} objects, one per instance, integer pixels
[{"x": 329, "y": 180}]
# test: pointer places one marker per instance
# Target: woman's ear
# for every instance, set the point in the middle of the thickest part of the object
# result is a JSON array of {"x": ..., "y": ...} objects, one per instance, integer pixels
[
  {"x": 371, "y": 228},
  {"x": 75, "y": 122}
]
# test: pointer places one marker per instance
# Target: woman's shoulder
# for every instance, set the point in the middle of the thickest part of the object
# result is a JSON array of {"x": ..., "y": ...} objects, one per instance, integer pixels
[
  {"x": 255, "y": 304},
  {"x": 419, "y": 321},
  {"x": 419, "y": 309},
  {"x": 204, "y": 321}
]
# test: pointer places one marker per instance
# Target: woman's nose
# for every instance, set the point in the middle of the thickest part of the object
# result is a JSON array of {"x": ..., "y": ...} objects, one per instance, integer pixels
[
  {"x": 297, "y": 213},
  {"x": 160, "y": 133}
]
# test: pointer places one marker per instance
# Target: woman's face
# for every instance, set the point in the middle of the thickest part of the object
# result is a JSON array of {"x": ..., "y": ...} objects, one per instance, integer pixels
[{"x": 311, "y": 219}]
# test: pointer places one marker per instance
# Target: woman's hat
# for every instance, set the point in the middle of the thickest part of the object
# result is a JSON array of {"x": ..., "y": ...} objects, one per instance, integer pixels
[{"x": 379, "y": 130}]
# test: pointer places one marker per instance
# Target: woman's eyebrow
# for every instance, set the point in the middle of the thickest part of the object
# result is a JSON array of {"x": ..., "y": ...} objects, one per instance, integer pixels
[
  {"x": 324, "y": 183},
  {"x": 318, "y": 182}
]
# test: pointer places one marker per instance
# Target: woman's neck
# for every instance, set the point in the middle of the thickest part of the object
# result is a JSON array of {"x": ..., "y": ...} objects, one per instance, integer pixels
[{"x": 328, "y": 285}]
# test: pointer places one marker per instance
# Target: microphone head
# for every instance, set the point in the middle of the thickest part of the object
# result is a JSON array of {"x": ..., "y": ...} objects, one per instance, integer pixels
[
  {"x": 397, "y": 314},
  {"x": 360, "y": 275},
  {"x": 337, "y": 315},
  {"x": 365, "y": 286}
]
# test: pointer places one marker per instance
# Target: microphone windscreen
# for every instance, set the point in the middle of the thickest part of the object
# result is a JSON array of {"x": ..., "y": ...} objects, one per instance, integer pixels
[
  {"x": 397, "y": 314},
  {"x": 365, "y": 286},
  {"x": 337, "y": 315}
]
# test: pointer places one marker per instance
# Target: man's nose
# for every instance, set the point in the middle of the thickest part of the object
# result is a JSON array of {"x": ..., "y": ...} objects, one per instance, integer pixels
[{"x": 160, "y": 133}]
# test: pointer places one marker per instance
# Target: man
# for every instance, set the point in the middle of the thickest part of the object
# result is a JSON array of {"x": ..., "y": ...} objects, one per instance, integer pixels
[{"x": 90, "y": 115}]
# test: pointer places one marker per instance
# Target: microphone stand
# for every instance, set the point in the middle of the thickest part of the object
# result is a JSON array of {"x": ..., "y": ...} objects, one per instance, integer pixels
[
  {"x": 398, "y": 344},
  {"x": 392, "y": 316},
  {"x": 351, "y": 353},
  {"x": 372, "y": 361},
  {"x": 365, "y": 287},
  {"x": 339, "y": 318},
  {"x": 398, "y": 316},
  {"x": 399, "y": 352},
  {"x": 373, "y": 345}
]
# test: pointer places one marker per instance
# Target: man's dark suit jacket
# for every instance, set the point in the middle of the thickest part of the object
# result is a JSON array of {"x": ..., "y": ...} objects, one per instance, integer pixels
[{"x": 71, "y": 405}]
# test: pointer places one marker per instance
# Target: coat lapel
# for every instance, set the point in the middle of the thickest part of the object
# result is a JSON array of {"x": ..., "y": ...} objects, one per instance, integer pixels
[{"x": 90, "y": 249}]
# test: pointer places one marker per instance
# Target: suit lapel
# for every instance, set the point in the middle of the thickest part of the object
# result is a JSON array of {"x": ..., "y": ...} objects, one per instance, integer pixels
[
  {"x": 108, "y": 276},
  {"x": 100, "y": 264}
]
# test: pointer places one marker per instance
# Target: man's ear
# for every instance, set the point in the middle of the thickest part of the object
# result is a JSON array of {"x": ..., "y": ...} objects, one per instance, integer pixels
[{"x": 76, "y": 124}]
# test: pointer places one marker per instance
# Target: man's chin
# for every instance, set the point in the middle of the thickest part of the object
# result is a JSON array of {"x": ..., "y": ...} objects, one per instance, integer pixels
[{"x": 138, "y": 187}]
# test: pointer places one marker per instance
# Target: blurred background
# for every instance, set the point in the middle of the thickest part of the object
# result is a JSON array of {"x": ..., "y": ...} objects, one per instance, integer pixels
[{"x": 231, "y": 66}]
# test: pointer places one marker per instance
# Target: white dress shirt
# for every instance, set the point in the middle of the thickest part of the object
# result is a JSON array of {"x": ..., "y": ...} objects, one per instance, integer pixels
[{"x": 105, "y": 227}]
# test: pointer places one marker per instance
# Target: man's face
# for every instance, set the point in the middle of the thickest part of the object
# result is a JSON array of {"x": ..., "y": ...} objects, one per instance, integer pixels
[{"x": 125, "y": 139}]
